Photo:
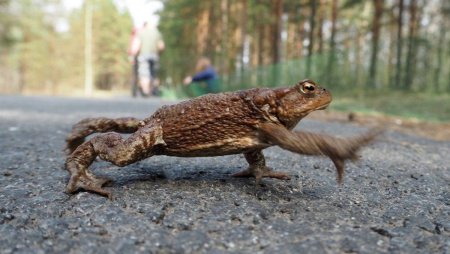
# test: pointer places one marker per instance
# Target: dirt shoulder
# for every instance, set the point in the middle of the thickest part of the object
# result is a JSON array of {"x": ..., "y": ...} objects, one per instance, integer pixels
[{"x": 434, "y": 131}]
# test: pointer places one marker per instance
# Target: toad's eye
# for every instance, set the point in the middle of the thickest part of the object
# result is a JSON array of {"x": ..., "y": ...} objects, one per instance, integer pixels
[{"x": 307, "y": 88}]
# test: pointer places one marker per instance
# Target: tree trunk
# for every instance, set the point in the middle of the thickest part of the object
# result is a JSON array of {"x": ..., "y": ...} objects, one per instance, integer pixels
[
  {"x": 290, "y": 41},
  {"x": 398, "y": 67},
  {"x": 22, "y": 75},
  {"x": 390, "y": 77},
  {"x": 312, "y": 24},
  {"x": 261, "y": 50},
  {"x": 376, "y": 27},
  {"x": 261, "y": 36},
  {"x": 320, "y": 30},
  {"x": 440, "y": 58},
  {"x": 224, "y": 7},
  {"x": 243, "y": 25},
  {"x": 88, "y": 66},
  {"x": 332, "y": 53},
  {"x": 358, "y": 61},
  {"x": 411, "y": 44},
  {"x": 211, "y": 40},
  {"x": 202, "y": 31},
  {"x": 300, "y": 35},
  {"x": 277, "y": 26}
]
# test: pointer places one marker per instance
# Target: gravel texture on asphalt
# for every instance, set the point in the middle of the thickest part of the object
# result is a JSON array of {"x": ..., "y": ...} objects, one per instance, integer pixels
[{"x": 395, "y": 199}]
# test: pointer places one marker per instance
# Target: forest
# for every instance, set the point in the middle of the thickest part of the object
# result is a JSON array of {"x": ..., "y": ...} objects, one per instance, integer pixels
[
  {"x": 353, "y": 44},
  {"x": 349, "y": 46}
]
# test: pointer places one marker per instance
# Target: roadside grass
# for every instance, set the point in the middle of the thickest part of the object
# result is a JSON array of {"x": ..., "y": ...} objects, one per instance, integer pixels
[{"x": 422, "y": 107}]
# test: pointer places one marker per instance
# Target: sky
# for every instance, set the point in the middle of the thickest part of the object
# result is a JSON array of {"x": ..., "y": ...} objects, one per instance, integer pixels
[{"x": 140, "y": 10}]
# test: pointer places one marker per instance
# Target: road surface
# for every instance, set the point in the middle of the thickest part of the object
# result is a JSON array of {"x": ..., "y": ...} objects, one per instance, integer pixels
[{"x": 395, "y": 199}]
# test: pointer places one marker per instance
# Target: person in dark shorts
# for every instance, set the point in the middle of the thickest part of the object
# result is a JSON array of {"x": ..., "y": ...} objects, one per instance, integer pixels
[{"x": 151, "y": 44}]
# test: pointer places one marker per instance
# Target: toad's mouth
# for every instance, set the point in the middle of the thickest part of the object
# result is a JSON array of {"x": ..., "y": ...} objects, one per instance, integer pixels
[{"x": 323, "y": 106}]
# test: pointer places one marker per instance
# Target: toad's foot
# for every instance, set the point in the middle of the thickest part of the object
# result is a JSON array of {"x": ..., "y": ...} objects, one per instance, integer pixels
[
  {"x": 113, "y": 148},
  {"x": 80, "y": 177},
  {"x": 257, "y": 168},
  {"x": 259, "y": 173},
  {"x": 87, "y": 181}
]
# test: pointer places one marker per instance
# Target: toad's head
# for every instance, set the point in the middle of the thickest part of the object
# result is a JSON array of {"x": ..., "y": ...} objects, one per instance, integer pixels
[{"x": 296, "y": 102}]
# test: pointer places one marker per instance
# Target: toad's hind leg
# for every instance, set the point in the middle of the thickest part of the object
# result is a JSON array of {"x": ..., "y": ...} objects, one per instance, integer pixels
[
  {"x": 113, "y": 148},
  {"x": 89, "y": 126},
  {"x": 258, "y": 169}
]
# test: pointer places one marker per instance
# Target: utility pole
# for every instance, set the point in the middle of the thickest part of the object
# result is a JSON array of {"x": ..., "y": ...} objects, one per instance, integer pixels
[{"x": 88, "y": 68}]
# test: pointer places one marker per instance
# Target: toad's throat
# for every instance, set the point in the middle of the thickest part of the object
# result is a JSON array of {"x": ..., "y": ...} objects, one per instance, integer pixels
[{"x": 323, "y": 107}]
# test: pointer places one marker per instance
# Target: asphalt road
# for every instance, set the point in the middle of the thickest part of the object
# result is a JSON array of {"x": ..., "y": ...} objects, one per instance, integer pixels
[{"x": 395, "y": 199}]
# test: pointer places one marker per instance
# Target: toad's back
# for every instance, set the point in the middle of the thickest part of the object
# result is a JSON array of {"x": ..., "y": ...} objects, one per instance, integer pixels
[{"x": 210, "y": 125}]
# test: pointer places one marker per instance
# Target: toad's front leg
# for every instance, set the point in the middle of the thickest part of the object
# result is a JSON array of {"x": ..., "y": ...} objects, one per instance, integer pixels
[
  {"x": 257, "y": 168},
  {"x": 113, "y": 148},
  {"x": 337, "y": 149}
]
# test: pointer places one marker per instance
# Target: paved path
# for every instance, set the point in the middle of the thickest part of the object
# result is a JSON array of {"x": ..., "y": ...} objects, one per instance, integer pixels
[{"x": 396, "y": 199}]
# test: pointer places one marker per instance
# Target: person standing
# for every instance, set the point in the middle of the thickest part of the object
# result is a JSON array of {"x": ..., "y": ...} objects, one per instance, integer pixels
[{"x": 151, "y": 45}]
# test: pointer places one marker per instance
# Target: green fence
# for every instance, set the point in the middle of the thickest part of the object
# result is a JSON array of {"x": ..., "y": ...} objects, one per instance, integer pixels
[{"x": 345, "y": 77}]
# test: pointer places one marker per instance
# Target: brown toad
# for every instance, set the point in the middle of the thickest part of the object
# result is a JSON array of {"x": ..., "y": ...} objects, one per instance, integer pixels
[{"x": 211, "y": 125}]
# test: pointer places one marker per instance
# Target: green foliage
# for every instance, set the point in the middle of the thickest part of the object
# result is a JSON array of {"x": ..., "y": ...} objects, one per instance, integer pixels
[
  {"x": 349, "y": 4},
  {"x": 420, "y": 106},
  {"x": 177, "y": 24},
  {"x": 238, "y": 35},
  {"x": 111, "y": 35},
  {"x": 50, "y": 61}
]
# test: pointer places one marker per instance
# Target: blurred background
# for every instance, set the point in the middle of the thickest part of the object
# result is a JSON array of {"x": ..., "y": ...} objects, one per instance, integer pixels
[{"x": 380, "y": 56}]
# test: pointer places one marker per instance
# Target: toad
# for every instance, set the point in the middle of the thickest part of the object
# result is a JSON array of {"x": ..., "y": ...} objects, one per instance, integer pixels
[{"x": 243, "y": 122}]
